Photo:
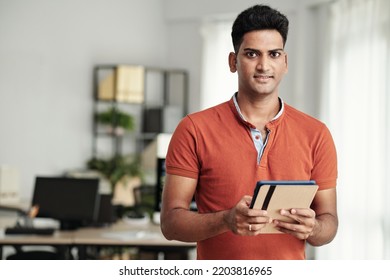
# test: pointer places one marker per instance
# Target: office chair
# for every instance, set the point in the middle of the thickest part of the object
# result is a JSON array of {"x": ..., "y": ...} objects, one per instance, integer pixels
[
  {"x": 21, "y": 254},
  {"x": 24, "y": 221}
]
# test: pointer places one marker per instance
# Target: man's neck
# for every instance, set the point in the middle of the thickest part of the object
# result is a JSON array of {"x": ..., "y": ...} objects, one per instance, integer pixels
[{"x": 259, "y": 111}]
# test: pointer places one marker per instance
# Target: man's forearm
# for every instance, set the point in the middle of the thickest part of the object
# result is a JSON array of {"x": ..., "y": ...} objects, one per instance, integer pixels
[
  {"x": 324, "y": 231},
  {"x": 188, "y": 226}
]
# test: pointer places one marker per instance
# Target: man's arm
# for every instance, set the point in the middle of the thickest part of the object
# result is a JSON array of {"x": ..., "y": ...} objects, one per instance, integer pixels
[
  {"x": 179, "y": 223},
  {"x": 317, "y": 225},
  {"x": 325, "y": 207}
]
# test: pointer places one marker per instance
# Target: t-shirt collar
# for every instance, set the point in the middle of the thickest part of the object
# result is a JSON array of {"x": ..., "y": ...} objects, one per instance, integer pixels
[{"x": 242, "y": 116}]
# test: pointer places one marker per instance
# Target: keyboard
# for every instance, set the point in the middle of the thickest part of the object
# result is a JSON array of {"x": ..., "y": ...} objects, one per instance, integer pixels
[{"x": 29, "y": 231}]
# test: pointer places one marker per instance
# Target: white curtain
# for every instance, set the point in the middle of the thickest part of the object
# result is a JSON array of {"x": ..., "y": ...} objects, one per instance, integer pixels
[
  {"x": 217, "y": 82},
  {"x": 355, "y": 103}
]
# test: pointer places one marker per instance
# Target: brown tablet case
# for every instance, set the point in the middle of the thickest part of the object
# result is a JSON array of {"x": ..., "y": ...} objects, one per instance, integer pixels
[{"x": 276, "y": 196}]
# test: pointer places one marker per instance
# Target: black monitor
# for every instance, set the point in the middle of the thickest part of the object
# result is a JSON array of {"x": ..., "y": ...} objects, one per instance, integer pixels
[
  {"x": 74, "y": 202},
  {"x": 160, "y": 184},
  {"x": 161, "y": 172}
]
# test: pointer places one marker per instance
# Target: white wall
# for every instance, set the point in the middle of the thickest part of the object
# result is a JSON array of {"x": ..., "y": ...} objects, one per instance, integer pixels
[
  {"x": 48, "y": 49},
  {"x": 47, "y": 52}
]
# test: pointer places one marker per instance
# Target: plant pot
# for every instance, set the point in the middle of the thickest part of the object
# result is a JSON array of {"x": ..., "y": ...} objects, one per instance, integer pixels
[{"x": 124, "y": 191}]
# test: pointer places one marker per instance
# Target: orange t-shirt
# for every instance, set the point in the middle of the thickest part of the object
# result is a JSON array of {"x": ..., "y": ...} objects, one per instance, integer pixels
[{"x": 215, "y": 147}]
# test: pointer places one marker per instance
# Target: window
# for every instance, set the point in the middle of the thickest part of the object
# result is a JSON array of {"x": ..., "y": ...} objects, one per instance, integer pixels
[
  {"x": 355, "y": 107},
  {"x": 218, "y": 84}
]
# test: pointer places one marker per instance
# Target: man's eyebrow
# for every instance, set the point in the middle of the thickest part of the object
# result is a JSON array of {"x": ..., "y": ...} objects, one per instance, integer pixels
[
  {"x": 277, "y": 50},
  {"x": 258, "y": 51}
]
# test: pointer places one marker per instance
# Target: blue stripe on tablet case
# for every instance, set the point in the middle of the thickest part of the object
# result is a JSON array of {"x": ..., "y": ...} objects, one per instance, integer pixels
[{"x": 289, "y": 182}]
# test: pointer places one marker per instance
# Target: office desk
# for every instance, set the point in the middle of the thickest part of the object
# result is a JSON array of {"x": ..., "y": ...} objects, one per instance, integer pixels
[
  {"x": 60, "y": 240},
  {"x": 146, "y": 238}
]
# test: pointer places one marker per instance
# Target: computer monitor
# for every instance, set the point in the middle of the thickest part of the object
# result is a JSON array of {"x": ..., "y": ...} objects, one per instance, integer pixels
[
  {"x": 106, "y": 213},
  {"x": 74, "y": 202},
  {"x": 160, "y": 184},
  {"x": 161, "y": 173}
]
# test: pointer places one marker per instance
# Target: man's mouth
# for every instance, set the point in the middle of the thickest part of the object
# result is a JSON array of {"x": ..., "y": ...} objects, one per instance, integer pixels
[{"x": 263, "y": 77}]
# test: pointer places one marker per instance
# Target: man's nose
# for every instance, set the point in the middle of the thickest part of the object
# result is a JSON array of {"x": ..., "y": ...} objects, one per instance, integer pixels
[{"x": 263, "y": 63}]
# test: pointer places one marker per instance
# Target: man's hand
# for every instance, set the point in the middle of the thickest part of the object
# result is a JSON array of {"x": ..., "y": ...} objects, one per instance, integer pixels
[
  {"x": 244, "y": 221},
  {"x": 303, "y": 224}
]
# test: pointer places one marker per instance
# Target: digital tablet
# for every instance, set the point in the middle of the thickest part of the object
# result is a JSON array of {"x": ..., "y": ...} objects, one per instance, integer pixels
[{"x": 276, "y": 195}]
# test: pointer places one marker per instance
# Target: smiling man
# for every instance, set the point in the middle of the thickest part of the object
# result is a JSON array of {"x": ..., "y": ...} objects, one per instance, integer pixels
[{"x": 220, "y": 153}]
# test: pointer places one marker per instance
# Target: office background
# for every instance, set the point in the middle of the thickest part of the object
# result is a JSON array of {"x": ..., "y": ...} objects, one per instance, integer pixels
[{"x": 48, "y": 50}]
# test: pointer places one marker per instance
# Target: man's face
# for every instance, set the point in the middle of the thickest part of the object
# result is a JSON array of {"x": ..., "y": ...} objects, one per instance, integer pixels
[{"x": 260, "y": 63}]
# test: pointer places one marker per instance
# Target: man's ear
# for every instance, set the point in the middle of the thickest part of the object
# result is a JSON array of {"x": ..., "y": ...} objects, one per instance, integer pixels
[
  {"x": 286, "y": 61},
  {"x": 232, "y": 62}
]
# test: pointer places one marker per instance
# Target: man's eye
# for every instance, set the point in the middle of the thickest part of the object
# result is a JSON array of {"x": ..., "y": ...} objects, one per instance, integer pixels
[
  {"x": 275, "y": 54},
  {"x": 251, "y": 54}
]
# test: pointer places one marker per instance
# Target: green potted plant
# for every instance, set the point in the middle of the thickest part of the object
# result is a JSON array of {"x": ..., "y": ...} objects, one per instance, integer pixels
[
  {"x": 116, "y": 120},
  {"x": 116, "y": 168},
  {"x": 124, "y": 173}
]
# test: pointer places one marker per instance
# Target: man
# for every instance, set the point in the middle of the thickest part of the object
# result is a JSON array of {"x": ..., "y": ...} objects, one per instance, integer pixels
[{"x": 220, "y": 153}]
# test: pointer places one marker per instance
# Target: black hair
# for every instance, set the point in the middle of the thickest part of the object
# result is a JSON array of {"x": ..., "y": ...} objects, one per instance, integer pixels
[{"x": 258, "y": 17}]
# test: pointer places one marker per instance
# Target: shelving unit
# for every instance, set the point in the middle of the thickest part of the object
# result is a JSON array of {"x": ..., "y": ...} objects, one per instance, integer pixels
[{"x": 155, "y": 97}]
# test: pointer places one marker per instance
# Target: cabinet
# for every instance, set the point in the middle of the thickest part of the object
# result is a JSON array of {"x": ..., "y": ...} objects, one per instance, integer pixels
[{"x": 156, "y": 98}]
